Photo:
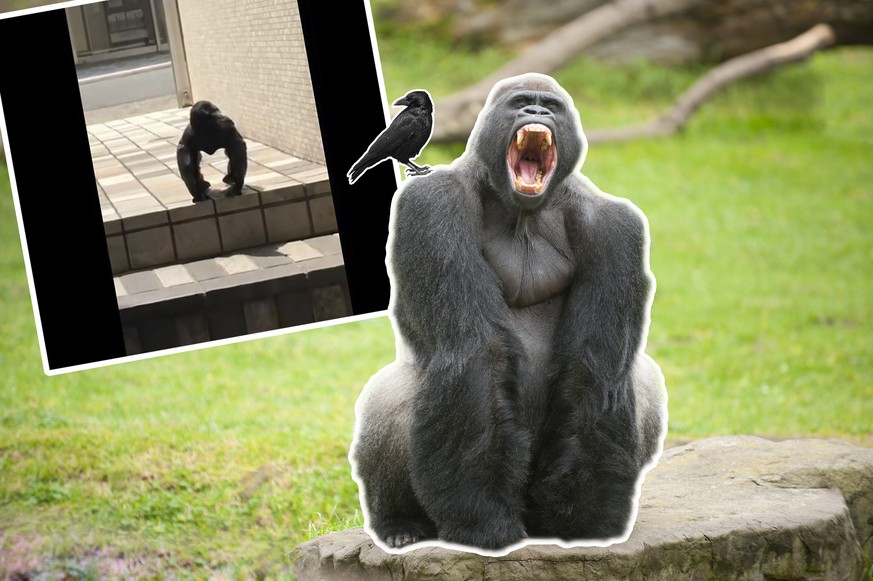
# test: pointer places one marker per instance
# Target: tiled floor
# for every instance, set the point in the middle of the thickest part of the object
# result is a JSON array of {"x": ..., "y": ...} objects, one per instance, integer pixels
[
  {"x": 135, "y": 164},
  {"x": 151, "y": 220}
]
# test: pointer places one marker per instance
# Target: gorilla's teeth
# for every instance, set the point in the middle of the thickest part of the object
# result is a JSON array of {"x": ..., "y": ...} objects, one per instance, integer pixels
[
  {"x": 539, "y": 176},
  {"x": 546, "y": 142}
]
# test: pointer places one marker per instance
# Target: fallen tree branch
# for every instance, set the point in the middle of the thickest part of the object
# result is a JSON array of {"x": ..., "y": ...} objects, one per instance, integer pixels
[
  {"x": 458, "y": 112},
  {"x": 760, "y": 61}
]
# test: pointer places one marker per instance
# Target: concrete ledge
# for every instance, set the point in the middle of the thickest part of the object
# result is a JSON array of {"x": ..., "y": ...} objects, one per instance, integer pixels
[
  {"x": 724, "y": 508},
  {"x": 266, "y": 288}
]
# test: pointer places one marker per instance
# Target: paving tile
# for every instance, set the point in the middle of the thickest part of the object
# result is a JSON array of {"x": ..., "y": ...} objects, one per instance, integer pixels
[
  {"x": 111, "y": 225},
  {"x": 268, "y": 155},
  {"x": 294, "y": 307},
  {"x": 329, "y": 303},
  {"x": 263, "y": 177},
  {"x": 283, "y": 191},
  {"x": 132, "y": 344},
  {"x": 311, "y": 176},
  {"x": 192, "y": 210},
  {"x": 197, "y": 239},
  {"x": 242, "y": 230},
  {"x": 267, "y": 257},
  {"x": 148, "y": 219},
  {"x": 318, "y": 188},
  {"x": 131, "y": 208},
  {"x": 131, "y": 158},
  {"x": 287, "y": 222},
  {"x": 109, "y": 214},
  {"x": 140, "y": 282},
  {"x": 158, "y": 333},
  {"x": 299, "y": 251},
  {"x": 165, "y": 301},
  {"x": 261, "y": 315},
  {"x": 151, "y": 247},
  {"x": 325, "y": 270},
  {"x": 173, "y": 275},
  {"x": 109, "y": 171},
  {"x": 226, "y": 320},
  {"x": 129, "y": 194},
  {"x": 117, "y": 249},
  {"x": 171, "y": 197},
  {"x": 283, "y": 162},
  {"x": 205, "y": 270},
  {"x": 233, "y": 203},
  {"x": 323, "y": 215},
  {"x": 236, "y": 264},
  {"x": 192, "y": 329},
  {"x": 327, "y": 245}
]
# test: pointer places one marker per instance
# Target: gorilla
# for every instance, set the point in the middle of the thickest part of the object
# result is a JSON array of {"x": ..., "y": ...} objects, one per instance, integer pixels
[
  {"x": 521, "y": 404},
  {"x": 210, "y": 130}
]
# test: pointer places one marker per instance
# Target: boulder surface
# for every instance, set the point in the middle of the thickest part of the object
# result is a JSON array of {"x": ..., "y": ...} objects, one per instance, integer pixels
[{"x": 735, "y": 507}]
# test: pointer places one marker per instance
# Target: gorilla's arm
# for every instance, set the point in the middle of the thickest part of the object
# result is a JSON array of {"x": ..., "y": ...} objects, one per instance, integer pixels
[
  {"x": 188, "y": 160},
  {"x": 590, "y": 455},
  {"x": 237, "y": 159},
  {"x": 607, "y": 307},
  {"x": 468, "y": 461}
]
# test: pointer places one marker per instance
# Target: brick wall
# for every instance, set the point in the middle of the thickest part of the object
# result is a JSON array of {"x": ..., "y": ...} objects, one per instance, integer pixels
[{"x": 249, "y": 58}]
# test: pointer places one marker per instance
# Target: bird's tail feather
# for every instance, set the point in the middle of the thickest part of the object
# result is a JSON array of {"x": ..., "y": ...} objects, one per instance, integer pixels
[{"x": 357, "y": 171}]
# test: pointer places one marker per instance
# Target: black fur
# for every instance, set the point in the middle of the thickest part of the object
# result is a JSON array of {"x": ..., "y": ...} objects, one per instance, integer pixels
[
  {"x": 452, "y": 443},
  {"x": 209, "y": 130}
]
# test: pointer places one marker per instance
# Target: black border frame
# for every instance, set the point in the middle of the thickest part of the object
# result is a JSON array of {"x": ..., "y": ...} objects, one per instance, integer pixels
[{"x": 60, "y": 218}]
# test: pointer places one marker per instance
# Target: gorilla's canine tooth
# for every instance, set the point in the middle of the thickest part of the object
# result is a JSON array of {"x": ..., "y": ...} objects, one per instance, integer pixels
[{"x": 519, "y": 139}]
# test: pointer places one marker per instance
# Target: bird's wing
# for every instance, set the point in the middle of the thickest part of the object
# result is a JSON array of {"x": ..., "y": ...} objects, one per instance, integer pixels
[{"x": 398, "y": 133}]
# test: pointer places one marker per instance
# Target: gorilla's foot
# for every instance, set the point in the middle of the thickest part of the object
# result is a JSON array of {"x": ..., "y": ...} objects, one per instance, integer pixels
[
  {"x": 232, "y": 190},
  {"x": 398, "y": 533},
  {"x": 496, "y": 535}
]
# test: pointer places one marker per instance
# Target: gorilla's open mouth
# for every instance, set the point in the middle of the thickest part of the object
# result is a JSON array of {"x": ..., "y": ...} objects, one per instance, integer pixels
[{"x": 532, "y": 159}]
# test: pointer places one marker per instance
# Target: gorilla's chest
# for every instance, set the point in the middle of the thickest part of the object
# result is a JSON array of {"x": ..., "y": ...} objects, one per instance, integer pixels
[{"x": 531, "y": 257}]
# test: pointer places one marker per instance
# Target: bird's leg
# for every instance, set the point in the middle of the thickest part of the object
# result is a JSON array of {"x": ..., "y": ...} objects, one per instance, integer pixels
[{"x": 417, "y": 170}]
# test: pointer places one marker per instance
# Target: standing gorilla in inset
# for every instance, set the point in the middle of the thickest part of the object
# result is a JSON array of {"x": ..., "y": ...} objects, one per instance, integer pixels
[
  {"x": 209, "y": 130},
  {"x": 521, "y": 403}
]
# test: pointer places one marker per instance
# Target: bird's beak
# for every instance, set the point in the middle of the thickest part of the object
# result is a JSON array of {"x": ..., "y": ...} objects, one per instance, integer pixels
[{"x": 401, "y": 102}]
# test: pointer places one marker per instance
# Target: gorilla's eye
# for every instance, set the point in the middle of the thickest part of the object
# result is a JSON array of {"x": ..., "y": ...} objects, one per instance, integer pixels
[{"x": 531, "y": 158}]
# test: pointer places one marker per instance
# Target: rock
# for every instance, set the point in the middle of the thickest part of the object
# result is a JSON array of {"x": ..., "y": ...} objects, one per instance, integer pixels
[{"x": 735, "y": 507}]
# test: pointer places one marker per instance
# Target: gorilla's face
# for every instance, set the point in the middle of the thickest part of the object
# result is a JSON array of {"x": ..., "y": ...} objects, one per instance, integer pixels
[{"x": 530, "y": 139}]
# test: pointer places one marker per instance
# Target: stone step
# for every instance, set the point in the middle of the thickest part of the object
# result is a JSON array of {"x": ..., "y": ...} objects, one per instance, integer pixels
[
  {"x": 260, "y": 289},
  {"x": 735, "y": 507}
]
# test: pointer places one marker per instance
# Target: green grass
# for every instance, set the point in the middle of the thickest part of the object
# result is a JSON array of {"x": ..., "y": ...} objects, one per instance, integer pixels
[{"x": 219, "y": 462}]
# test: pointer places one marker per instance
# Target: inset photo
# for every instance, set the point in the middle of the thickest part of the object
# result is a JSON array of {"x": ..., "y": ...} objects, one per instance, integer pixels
[
  {"x": 210, "y": 171},
  {"x": 205, "y": 140}
]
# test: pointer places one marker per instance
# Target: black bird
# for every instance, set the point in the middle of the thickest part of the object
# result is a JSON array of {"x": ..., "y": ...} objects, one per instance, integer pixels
[{"x": 403, "y": 139}]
